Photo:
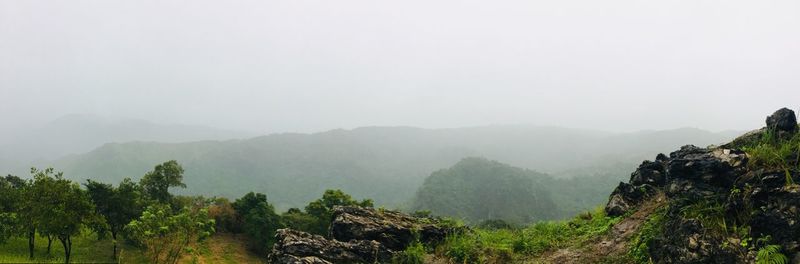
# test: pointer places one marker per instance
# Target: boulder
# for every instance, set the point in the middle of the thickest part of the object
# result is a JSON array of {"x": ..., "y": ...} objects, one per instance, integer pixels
[
  {"x": 649, "y": 172},
  {"x": 626, "y": 196},
  {"x": 392, "y": 229},
  {"x": 357, "y": 235},
  {"x": 296, "y": 247},
  {"x": 783, "y": 120}
]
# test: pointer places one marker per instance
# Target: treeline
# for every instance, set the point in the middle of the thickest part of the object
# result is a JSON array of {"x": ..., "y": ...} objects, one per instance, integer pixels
[{"x": 145, "y": 214}]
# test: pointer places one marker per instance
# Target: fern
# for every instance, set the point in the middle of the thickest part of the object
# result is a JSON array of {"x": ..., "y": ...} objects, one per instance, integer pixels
[{"x": 771, "y": 254}]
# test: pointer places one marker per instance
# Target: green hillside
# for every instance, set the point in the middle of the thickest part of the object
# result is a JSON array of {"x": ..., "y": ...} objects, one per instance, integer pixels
[{"x": 386, "y": 164}]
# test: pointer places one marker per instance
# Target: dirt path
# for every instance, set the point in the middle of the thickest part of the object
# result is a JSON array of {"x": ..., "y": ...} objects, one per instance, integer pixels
[{"x": 615, "y": 243}]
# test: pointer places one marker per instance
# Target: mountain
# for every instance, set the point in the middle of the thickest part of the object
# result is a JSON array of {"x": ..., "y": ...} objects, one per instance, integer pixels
[
  {"x": 477, "y": 189},
  {"x": 74, "y": 134},
  {"x": 386, "y": 164}
]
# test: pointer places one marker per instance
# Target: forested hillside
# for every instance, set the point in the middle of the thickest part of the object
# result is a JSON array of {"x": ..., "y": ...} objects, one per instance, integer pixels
[
  {"x": 387, "y": 164},
  {"x": 478, "y": 190}
]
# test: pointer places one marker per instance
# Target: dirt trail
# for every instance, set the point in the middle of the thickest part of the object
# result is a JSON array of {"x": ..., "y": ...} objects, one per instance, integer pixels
[{"x": 615, "y": 243}]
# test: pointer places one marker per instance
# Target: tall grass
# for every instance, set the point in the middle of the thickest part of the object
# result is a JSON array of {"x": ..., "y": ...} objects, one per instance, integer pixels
[
  {"x": 776, "y": 153},
  {"x": 504, "y": 245}
]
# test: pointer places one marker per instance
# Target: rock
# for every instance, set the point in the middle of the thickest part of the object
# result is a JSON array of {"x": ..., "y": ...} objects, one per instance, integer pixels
[
  {"x": 358, "y": 235},
  {"x": 778, "y": 217},
  {"x": 626, "y": 196},
  {"x": 392, "y": 229},
  {"x": 686, "y": 242},
  {"x": 783, "y": 120},
  {"x": 649, "y": 172},
  {"x": 296, "y": 247}
]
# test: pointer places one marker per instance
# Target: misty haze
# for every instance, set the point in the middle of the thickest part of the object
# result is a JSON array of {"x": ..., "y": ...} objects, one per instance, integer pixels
[{"x": 399, "y": 132}]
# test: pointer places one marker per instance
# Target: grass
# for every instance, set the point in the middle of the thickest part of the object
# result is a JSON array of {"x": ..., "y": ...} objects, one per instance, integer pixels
[
  {"x": 776, "y": 153},
  {"x": 640, "y": 243},
  {"x": 220, "y": 248},
  {"x": 86, "y": 249},
  {"x": 505, "y": 245}
]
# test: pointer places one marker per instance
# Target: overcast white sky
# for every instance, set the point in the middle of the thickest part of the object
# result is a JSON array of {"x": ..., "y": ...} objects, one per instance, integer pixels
[{"x": 302, "y": 65}]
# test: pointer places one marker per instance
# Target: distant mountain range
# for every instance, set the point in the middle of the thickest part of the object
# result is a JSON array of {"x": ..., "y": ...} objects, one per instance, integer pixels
[
  {"x": 387, "y": 164},
  {"x": 73, "y": 134}
]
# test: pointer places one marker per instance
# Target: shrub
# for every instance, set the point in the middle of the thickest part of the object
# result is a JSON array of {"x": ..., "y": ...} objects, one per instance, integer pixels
[{"x": 771, "y": 254}]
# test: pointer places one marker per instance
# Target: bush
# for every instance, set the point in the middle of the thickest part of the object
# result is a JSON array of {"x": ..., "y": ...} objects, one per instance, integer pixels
[{"x": 413, "y": 254}]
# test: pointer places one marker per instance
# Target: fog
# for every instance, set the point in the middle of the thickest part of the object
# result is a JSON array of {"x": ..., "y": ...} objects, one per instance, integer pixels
[{"x": 301, "y": 65}]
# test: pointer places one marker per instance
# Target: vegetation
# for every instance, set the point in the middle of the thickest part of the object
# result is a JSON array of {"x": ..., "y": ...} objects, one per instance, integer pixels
[
  {"x": 165, "y": 235},
  {"x": 322, "y": 209},
  {"x": 503, "y": 245},
  {"x": 153, "y": 222},
  {"x": 259, "y": 220},
  {"x": 771, "y": 254},
  {"x": 413, "y": 254},
  {"x": 776, "y": 152},
  {"x": 156, "y": 183},
  {"x": 385, "y": 164},
  {"x": 477, "y": 190},
  {"x": 640, "y": 244},
  {"x": 118, "y": 205}
]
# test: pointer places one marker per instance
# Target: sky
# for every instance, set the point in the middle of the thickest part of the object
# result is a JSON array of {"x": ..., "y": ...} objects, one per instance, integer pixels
[{"x": 313, "y": 65}]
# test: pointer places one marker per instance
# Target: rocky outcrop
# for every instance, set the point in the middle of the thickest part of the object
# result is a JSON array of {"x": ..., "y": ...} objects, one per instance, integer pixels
[
  {"x": 713, "y": 192},
  {"x": 358, "y": 235},
  {"x": 298, "y": 247},
  {"x": 392, "y": 229}
]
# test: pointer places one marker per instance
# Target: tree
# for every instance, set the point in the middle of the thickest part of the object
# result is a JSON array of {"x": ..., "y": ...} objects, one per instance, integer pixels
[
  {"x": 117, "y": 205},
  {"x": 61, "y": 208},
  {"x": 164, "y": 234},
  {"x": 11, "y": 188},
  {"x": 259, "y": 220},
  {"x": 224, "y": 214},
  {"x": 157, "y": 182},
  {"x": 322, "y": 208},
  {"x": 296, "y": 219}
]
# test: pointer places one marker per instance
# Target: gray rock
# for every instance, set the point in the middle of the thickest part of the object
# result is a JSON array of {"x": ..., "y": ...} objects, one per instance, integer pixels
[
  {"x": 783, "y": 120},
  {"x": 296, "y": 247},
  {"x": 392, "y": 229}
]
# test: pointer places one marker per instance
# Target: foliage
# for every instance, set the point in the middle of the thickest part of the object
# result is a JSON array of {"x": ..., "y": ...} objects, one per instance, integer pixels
[
  {"x": 322, "y": 208},
  {"x": 259, "y": 220},
  {"x": 776, "y": 153},
  {"x": 157, "y": 182},
  {"x": 165, "y": 235},
  {"x": 413, "y": 254},
  {"x": 478, "y": 189},
  {"x": 494, "y": 224},
  {"x": 60, "y": 207},
  {"x": 640, "y": 244},
  {"x": 11, "y": 190},
  {"x": 223, "y": 213},
  {"x": 298, "y": 220},
  {"x": 771, "y": 254},
  {"x": 118, "y": 205},
  {"x": 501, "y": 245}
]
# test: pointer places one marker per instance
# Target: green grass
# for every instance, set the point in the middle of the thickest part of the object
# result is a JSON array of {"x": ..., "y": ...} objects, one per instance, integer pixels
[
  {"x": 220, "y": 248},
  {"x": 640, "y": 243},
  {"x": 504, "y": 245},
  {"x": 85, "y": 248},
  {"x": 776, "y": 153}
]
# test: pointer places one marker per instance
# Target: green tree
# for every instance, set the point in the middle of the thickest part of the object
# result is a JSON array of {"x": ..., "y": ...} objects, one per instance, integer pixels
[
  {"x": 62, "y": 208},
  {"x": 11, "y": 188},
  {"x": 298, "y": 220},
  {"x": 157, "y": 182},
  {"x": 165, "y": 235},
  {"x": 259, "y": 220},
  {"x": 322, "y": 208},
  {"x": 117, "y": 205}
]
